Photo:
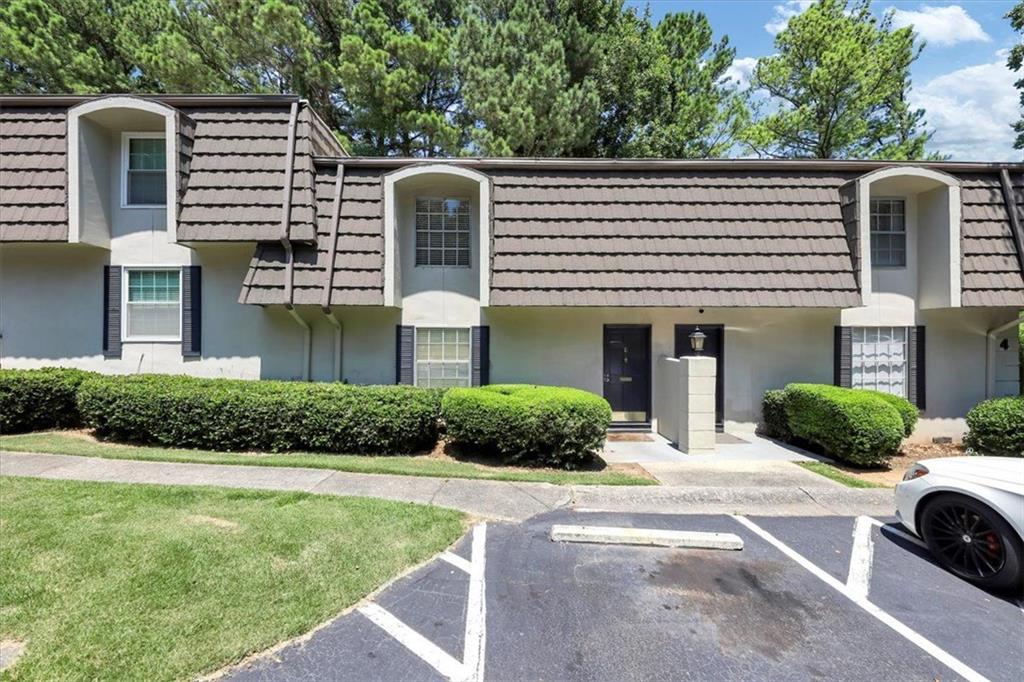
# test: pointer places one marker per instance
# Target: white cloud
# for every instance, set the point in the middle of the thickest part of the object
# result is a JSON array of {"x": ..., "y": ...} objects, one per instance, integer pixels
[
  {"x": 741, "y": 70},
  {"x": 784, "y": 12},
  {"x": 941, "y": 25},
  {"x": 971, "y": 110}
]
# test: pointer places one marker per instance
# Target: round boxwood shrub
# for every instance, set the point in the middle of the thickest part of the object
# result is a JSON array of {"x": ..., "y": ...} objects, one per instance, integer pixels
[
  {"x": 908, "y": 411},
  {"x": 532, "y": 425},
  {"x": 773, "y": 411},
  {"x": 996, "y": 427},
  {"x": 36, "y": 399},
  {"x": 228, "y": 414},
  {"x": 853, "y": 426}
]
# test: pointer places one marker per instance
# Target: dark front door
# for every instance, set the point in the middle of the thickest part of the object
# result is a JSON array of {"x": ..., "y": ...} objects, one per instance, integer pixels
[
  {"x": 627, "y": 372},
  {"x": 714, "y": 347}
]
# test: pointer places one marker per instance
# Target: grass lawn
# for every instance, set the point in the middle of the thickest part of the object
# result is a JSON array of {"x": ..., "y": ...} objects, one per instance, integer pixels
[
  {"x": 76, "y": 443},
  {"x": 839, "y": 476},
  {"x": 115, "y": 581}
]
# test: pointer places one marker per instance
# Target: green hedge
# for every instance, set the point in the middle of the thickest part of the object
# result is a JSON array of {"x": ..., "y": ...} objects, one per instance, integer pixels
[
  {"x": 37, "y": 399},
  {"x": 996, "y": 427},
  {"x": 773, "y": 409},
  {"x": 227, "y": 414},
  {"x": 536, "y": 425},
  {"x": 908, "y": 411},
  {"x": 851, "y": 425}
]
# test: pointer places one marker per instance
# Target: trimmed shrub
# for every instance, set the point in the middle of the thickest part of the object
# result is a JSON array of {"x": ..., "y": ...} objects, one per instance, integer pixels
[
  {"x": 773, "y": 410},
  {"x": 229, "y": 414},
  {"x": 534, "y": 425},
  {"x": 908, "y": 411},
  {"x": 996, "y": 427},
  {"x": 850, "y": 425},
  {"x": 37, "y": 399}
]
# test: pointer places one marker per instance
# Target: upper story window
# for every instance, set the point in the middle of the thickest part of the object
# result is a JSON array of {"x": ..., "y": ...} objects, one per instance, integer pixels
[
  {"x": 442, "y": 232},
  {"x": 144, "y": 170},
  {"x": 153, "y": 304},
  {"x": 888, "y": 233}
]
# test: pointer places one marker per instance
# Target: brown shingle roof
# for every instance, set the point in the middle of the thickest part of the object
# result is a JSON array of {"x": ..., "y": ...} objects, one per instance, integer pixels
[
  {"x": 232, "y": 153},
  {"x": 33, "y": 174},
  {"x": 992, "y": 273}
]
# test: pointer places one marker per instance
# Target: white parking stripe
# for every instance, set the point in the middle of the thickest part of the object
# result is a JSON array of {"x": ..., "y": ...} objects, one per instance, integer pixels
[
  {"x": 476, "y": 609},
  {"x": 858, "y": 581},
  {"x": 415, "y": 642},
  {"x": 456, "y": 561},
  {"x": 899, "y": 532},
  {"x": 906, "y": 632}
]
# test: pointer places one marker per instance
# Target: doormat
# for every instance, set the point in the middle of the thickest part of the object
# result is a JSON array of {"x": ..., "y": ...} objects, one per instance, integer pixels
[
  {"x": 728, "y": 439},
  {"x": 630, "y": 438}
]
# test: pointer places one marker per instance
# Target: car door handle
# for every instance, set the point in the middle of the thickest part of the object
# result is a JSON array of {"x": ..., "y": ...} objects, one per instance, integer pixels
[{"x": 625, "y": 380}]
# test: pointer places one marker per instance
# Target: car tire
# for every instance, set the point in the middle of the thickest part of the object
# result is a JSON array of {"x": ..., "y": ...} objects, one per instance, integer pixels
[{"x": 990, "y": 553}]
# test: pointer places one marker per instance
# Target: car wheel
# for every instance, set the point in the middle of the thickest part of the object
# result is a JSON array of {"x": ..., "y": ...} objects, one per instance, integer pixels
[{"x": 973, "y": 541}]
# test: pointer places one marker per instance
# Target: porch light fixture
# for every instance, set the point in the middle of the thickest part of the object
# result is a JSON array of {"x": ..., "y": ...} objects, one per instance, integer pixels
[{"x": 697, "y": 340}]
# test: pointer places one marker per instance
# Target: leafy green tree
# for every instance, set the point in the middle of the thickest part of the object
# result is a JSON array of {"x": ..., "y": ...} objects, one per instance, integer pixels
[
  {"x": 838, "y": 87},
  {"x": 688, "y": 108},
  {"x": 67, "y": 46},
  {"x": 529, "y": 71},
  {"x": 396, "y": 70},
  {"x": 1015, "y": 60}
]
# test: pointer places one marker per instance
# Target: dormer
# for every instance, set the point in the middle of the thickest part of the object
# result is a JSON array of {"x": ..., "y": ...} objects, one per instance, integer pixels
[
  {"x": 437, "y": 239},
  {"x": 123, "y": 169},
  {"x": 904, "y": 225}
]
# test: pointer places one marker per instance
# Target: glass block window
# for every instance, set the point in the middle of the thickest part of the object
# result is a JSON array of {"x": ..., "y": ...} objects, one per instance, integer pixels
[
  {"x": 153, "y": 304},
  {"x": 146, "y": 172},
  {"x": 888, "y": 233},
  {"x": 442, "y": 357},
  {"x": 879, "y": 359},
  {"x": 442, "y": 232}
]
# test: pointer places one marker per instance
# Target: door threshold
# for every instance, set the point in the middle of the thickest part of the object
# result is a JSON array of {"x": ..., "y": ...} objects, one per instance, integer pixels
[{"x": 630, "y": 427}]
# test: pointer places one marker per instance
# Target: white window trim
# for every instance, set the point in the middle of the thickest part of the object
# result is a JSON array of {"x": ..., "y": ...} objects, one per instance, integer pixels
[
  {"x": 415, "y": 244},
  {"x": 170, "y": 116},
  {"x": 415, "y": 352},
  {"x": 864, "y": 229},
  {"x": 906, "y": 232},
  {"x": 126, "y": 138},
  {"x": 125, "y": 338},
  {"x": 392, "y": 282}
]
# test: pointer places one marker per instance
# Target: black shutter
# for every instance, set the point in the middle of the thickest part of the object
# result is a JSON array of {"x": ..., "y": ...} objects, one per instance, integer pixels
[
  {"x": 480, "y": 355},
  {"x": 405, "y": 347},
  {"x": 191, "y": 311},
  {"x": 843, "y": 357},
  {"x": 112, "y": 311},
  {"x": 915, "y": 366}
]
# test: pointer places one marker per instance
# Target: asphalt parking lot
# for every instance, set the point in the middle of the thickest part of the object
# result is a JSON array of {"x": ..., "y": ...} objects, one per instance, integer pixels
[{"x": 834, "y": 598}]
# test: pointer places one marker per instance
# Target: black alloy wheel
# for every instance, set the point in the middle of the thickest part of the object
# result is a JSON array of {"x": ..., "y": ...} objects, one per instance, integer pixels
[{"x": 972, "y": 541}]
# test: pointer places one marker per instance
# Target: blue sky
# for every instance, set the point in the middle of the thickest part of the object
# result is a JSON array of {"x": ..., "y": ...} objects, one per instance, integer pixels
[{"x": 961, "y": 79}]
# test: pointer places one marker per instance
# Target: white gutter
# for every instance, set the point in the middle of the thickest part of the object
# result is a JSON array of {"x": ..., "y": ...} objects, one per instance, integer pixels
[
  {"x": 286, "y": 244},
  {"x": 990, "y": 353},
  {"x": 336, "y": 323},
  {"x": 307, "y": 345}
]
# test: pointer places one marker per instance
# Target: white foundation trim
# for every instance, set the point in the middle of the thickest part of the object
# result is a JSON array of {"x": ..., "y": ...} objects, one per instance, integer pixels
[
  {"x": 170, "y": 117},
  {"x": 392, "y": 287}
]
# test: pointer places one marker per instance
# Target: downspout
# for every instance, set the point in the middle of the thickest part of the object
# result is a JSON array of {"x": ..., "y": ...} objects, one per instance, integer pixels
[
  {"x": 1011, "y": 211},
  {"x": 332, "y": 250},
  {"x": 289, "y": 252},
  {"x": 990, "y": 354}
]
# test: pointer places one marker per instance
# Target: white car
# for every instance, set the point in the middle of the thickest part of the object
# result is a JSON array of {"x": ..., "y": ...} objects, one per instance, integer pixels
[{"x": 970, "y": 512}]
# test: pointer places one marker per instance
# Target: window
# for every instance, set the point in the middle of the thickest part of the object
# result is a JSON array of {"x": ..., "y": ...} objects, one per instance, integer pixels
[
  {"x": 442, "y": 357},
  {"x": 144, "y": 159},
  {"x": 442, "y": 232},
  {"x": 153, "y": 304},
  {"x": 888, "y": 233},
  {"x": 879, "y": 359}
]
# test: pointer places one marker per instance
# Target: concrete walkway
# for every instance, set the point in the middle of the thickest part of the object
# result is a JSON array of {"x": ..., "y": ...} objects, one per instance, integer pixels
[{"x": 488, "y": 499}]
